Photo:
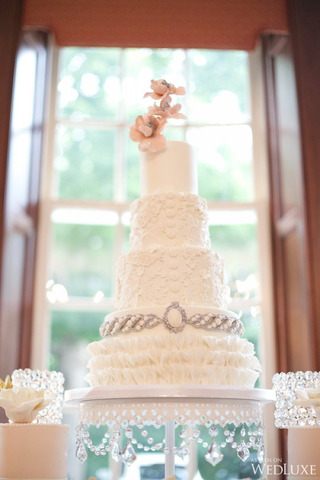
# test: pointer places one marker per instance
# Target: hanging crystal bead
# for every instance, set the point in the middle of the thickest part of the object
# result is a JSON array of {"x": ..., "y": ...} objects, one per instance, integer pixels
[
  {"x": 128, "y": 455},
  {"x": 213, "y": 431},
  {"x": 128, "y": 432},
  {"x": 260, "y": 454},
  {"x": 81, "y": 453},
  {"x": 214, "y": 455},
  {"x": 115, "y": 436},
  {"x": 243, "y": 452},
  {"x": 116, "y": 452},
  {"x": 183, "y": 451}
]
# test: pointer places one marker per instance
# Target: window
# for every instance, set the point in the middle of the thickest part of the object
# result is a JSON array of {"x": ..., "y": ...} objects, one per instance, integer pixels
[{"x": 92, "y": 175}]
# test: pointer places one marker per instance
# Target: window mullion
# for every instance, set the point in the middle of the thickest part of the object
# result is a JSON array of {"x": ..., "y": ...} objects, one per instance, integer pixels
[{"x": 41, "y": 321}]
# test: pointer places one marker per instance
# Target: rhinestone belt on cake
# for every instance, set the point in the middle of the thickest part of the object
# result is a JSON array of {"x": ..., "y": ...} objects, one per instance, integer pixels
[{"x": 135, "y": 323}]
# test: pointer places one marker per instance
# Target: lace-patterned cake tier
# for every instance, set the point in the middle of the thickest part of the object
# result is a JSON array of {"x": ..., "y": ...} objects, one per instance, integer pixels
[
  {"x": 159, "y": 275},
  {"x": 169, "y": 219}
]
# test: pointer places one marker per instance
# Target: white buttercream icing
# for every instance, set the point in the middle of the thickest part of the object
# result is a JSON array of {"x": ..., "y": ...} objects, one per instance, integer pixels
[{"x": 173, "y": 169}]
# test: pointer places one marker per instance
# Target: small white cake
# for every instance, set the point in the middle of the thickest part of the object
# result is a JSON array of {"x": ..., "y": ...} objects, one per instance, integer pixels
[
  {"x": 33, "y": 451},
  {"x": 31, "y": 448}
]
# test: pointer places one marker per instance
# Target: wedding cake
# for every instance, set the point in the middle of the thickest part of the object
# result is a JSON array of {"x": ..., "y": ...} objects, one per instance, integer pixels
[
  {"x": 172, "y": 325},
  {"x": 30, "y": 449}
]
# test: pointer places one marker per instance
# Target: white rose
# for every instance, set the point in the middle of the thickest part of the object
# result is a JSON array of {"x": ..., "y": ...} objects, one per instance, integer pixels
[{"x": 22, "y": 405}]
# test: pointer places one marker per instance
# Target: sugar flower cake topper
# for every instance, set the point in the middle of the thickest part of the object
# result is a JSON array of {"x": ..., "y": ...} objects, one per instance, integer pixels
[
  {"x": 22, "y": 405},
  {"x": 148, "y": 127}
]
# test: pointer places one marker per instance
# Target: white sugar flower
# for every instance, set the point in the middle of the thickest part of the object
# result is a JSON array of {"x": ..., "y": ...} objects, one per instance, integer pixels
[
  {"x": 309, "y": 397},
  {"x": 22, "y": 405}
]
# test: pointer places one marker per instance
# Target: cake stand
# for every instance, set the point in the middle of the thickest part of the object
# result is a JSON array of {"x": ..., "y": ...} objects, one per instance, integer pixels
[{"x": 194, "y": 410}]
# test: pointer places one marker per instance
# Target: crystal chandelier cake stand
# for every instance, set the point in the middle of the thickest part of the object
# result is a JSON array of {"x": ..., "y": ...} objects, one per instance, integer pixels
[{"x": 194, "y": 411}]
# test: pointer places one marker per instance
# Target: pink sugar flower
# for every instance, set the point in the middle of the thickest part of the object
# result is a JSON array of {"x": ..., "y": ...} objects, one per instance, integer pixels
[
  {"x": 147, "y": 131},
  {"x": 166, "y": 110},
  {"x": 161, "y": 89}
]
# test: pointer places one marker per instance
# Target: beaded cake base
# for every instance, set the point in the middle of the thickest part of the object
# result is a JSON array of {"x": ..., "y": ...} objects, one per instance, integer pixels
[{"x": 211, "y": 416}]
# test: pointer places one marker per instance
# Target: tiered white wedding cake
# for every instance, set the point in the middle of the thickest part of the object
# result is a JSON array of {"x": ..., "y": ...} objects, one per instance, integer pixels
[{"x": 171, "y": 326}]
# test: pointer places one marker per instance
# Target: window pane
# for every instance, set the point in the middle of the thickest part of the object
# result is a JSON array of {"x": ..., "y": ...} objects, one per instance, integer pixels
[
  {"x": 71, "y": 331},
  {"x": 83, "y": 258},
  {"x": 237, "y": 244},
  {"x": 70, "y": 334},
  {"x": 224, "y": 157},
  {"x": 253, "y": 324},
  {"x": 219, "y": 86},
  {"x": 175, "y": 133},
  {"x": 144, "y": 64},
  {"x": 89, "y": 84},
  {"x": 84, "y": 163}
]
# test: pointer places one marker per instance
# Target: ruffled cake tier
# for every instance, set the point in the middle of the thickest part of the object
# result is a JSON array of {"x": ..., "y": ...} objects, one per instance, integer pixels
[{"x": 182, "y": 358}]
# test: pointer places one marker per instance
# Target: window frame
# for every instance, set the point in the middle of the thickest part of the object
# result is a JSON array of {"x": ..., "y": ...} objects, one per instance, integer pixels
[{"x": 260, "y": 205}]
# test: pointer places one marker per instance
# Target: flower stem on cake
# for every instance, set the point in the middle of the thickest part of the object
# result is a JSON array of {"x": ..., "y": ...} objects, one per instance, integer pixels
[
  {"x": 148, "y": 127},
  {"x": 22, "y": 405}
]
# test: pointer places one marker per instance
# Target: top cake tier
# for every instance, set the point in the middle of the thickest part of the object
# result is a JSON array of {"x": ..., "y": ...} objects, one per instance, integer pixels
[{"x": 172, "y": 169}]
